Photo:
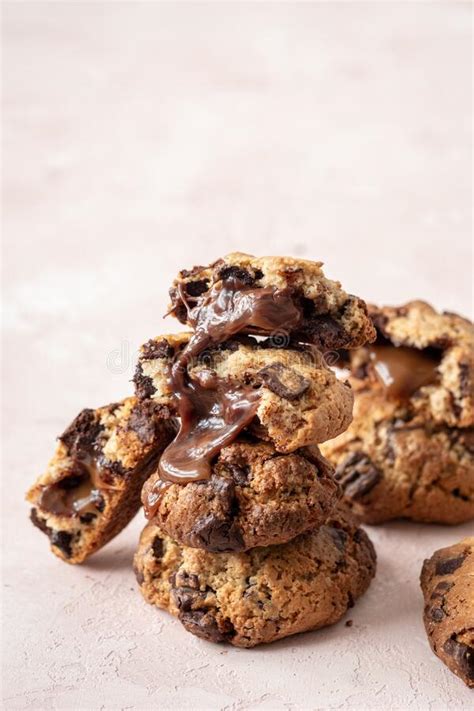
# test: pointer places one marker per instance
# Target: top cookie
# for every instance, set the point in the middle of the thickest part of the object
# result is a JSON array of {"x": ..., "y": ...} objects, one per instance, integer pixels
[
  {"x": 421, "y": 358},
  {"x": 307, "y": 306}
]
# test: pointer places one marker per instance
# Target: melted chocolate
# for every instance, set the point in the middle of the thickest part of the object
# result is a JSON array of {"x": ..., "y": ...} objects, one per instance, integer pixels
[
  {"x": 74, "y": 495},
  {"x": 403, "y": 370},
  {"x": 212, "y": 411}
]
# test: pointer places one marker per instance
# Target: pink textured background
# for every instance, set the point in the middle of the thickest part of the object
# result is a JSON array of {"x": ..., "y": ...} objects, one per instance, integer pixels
[{"x": 142, "y": 138}]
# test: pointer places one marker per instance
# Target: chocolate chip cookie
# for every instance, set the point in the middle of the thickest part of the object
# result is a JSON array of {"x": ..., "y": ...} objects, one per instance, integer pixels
[
  {"x": 447, "y": 582},
  {"x": 254, "y": 497},
  {"x": 264, "y": 594},
  {"x": 310, "y": 308},
  {"x": 299, "y": 399},
  {"x": 92, "y": 486},
  {"x": 410, "y": 449}
]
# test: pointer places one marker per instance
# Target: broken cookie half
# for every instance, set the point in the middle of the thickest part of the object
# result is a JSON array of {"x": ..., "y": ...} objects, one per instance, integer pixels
[
  {"x": 91, "y": 488},
  {"x": 279, "y": 296}
]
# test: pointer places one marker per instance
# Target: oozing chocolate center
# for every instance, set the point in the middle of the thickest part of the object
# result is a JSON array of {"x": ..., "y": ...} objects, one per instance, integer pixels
[
  {"x": 402, "y": 370},
  {"x": 212, "y": 411},
  {"x": 75, "y": 495}
]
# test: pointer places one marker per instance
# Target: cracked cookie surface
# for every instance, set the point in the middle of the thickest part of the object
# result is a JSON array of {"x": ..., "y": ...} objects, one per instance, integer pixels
[
  {"x": 264, "y": 594},
  {"x": 91, "y": 488},
  {"x": 301, "y": 402},
  {"x": 330, "y": 318},
  {"x": 447, "y": 582},
  {"x": 254, "y": 497},
  {"x": 406, "y": 455}
]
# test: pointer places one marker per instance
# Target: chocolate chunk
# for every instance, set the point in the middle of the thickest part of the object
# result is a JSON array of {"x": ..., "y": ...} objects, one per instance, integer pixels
[
  {"x": 284, "y": 381},
  {"x": 62, "y": 540},
  {"x": 39, "y": 522},
  {"x": 203, "y": 624},
  {"x": 444, "y": 586},
  {"x": 238, "y": 273},
  {"x": 111, "y": 470},
  {"x": 357, "y": 475},
  {"x": 217, "y": 535},
  {"x": 437, "y": 614},
  {"x": 145, "y": 420},
  {"x": 144, "y": 387},
  {"x": 194, "y": 613},
  {"x": 82, "y": 434},
  {"x": 87, "y": 517},
  {"x": 156, "y": 349},
  {"x": 196, "y": 288},
  {"x": 240, "y": 474},
  {"x": 323, "y": 331},
  {"x": 447, "y": 566},
  {"x": 463, "y": 656},
  {"x": 459, "y": 495},
  {"x": 441, "y": 589},
  {"x": 338, "y": 536},
  {"x": 157, "y": 547}
]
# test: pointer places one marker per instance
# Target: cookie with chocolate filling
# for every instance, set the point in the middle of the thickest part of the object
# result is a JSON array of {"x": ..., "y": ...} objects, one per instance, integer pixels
[
  {"x": 264, "y": 594},
  {"x": 282, "y": 296},
  {"x": 254, "y": 497},
  {"x": 299, "y": 401},
  {"x": 409, "y": 451},
  {"x": 421, "y": 358},
  {"x": 447, "y": 582},
  {"x": 91, "y": 488}
]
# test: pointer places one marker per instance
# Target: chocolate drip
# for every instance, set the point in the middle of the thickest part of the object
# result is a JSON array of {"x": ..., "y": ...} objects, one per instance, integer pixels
[
  {"x": 402, "y": 370},
  {"x": 212, "y": 411}
]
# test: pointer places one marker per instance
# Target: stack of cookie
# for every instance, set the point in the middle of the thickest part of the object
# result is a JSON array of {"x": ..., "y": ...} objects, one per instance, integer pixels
[{"x": 246, "y": 540}]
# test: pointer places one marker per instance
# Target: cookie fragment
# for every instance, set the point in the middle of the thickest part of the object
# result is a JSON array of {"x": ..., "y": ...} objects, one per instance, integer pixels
[
  {"x": 255, "y": 497},
  {"x": 92, "y": 486},
  {"x": 447, "y": 583},
  {"x": 264, "y": 594}
]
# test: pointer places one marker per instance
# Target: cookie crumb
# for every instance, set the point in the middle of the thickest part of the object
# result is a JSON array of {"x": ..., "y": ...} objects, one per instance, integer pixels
[{"x": 349, "y": 623}]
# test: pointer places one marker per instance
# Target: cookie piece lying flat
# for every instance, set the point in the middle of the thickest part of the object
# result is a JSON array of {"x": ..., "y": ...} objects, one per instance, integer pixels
[
  {"x": 301, "y": 402},
  {"x": 422, "y": 358},
  {"x": 392, "y": 464},
  {"x": 322, "y": 313},
  {"x": 255, "y": 497},
  {"x": 261, "y": 595},
  {"x": 92, "y": 486},
  {"x": 447, "y": 582}
]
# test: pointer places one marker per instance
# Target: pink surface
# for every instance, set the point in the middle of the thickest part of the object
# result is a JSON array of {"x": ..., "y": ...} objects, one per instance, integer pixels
[{"x": 142, "y": 138}]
